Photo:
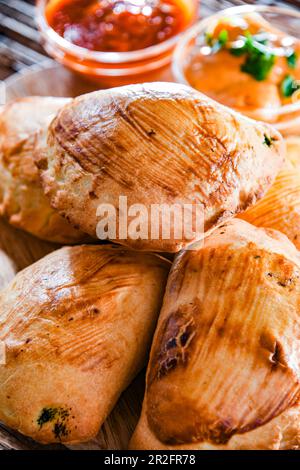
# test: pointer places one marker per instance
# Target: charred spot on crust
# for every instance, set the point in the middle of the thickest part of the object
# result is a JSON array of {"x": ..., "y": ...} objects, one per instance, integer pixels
[
  {"x": 59, "y": 416},
  {"x": 276, "y": 357},
  {"x": 42, "y": 163},
  {"x": 177, "y": 335},
  {"x": 268, "y": 141},
  {"x": 285, "y": 282},
  {"x": 284, "y": 273},
  {"x": 46, "y": 415},
  {"x": 221, "y": 432},
  {"x": 92, "y": 195},
  {"x": 184, "y": 338},
  {"x": 282, "y": 280},
  {"x": 60, "y": 430}
]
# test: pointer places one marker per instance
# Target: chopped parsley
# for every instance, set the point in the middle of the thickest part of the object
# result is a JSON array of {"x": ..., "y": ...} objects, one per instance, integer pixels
[
  {"x": 46, "y": 415},
  {"x": 209, "y": 39},
  {"x": 217, "y": 43},
  {"x": 259, "y": 55},
  {"x": 58, "y": 417},
  {"x": 268, "y": 140},
  {"x": 292, "y": 60},
  {"x": 223, "y": 37},
  {"x": 259, "y": 60},
  {"x": 258, "y": 65},
  {"x": 289, "y": 86}
]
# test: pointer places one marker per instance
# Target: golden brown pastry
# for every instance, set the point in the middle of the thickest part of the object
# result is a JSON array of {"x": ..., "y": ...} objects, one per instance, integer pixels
[
  {"x": 77, "y": 326},
  {"x": 280, "y": 208},
  {"x": 23, "y": 127},
  {"x": 156, "y": 143},
  {"x": 293, "y": 150},
  {"x": 7, "y": 269},
  {"x": 224, "y": 367}
]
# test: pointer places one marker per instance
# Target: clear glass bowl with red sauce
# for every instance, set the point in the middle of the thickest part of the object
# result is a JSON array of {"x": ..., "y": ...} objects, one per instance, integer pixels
[{"x": 114, "y": 42}]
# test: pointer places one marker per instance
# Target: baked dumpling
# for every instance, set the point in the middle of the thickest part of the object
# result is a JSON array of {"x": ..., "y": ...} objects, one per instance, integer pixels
[
  {"x": 7, "y": 269},
  {"x": 224, "y": 370},
  {"x": 23, "y": 127},
  {"x": 280, "y": 208},
  {"x": 76, "y": 326},
  {"x": 293, "y": 150},
  {"x": 157, "y": 143}
]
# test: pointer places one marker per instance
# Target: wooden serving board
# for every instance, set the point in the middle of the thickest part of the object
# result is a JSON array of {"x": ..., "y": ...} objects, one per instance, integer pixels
[{"x": 51, "y": 79}]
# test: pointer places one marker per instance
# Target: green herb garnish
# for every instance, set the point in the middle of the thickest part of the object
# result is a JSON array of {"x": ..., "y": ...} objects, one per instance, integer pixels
[
  {"x": 292, "y": 60},
  {"x": 46, "y": 415},
  {"x": 209, "y": 39},
  {"x": 259, "y": 55},
  {"x": 238, "y": 51},
  {"x": 268, "y": 140},
  {"x": 217, "y": 43},
  {"x": 289, "y": 86},
  {"x": 259, "y": 61},
  {"x": 58, "y": 417},
  {"x": 223, "y": 37},
  {"x": 258, "y": 65}
]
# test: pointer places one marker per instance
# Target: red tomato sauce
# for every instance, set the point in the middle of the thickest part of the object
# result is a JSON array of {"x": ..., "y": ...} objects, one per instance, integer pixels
[{"x": 116, "y": 25}]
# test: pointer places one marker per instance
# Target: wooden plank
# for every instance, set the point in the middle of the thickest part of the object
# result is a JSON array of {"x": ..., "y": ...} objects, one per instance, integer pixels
[
  {"x": 5, "y": 72},
  {"x": 11, "y": 440},
  {"x": 20, "y": 52},
  {"x": 20, "y": 32},
  {"x": 23, "y": 7},
  {"x": 11, "y": 24},
  {"x": 19, "y": 10}
]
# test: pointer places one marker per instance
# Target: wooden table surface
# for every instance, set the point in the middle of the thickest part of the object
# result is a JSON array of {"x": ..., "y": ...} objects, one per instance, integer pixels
[{"x": 19, "y": 48}]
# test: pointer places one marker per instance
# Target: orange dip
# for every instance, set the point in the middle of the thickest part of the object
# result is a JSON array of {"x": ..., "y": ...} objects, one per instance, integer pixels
[
  {"x": 117, "y": 25},
  {"x": 252, "y": 82}
]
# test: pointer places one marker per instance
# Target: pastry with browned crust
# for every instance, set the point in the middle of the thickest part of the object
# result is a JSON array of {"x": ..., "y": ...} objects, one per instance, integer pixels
[
  {"x": 224, "y": 370},
  {"x": 293, "y": 150},
  {"x": 77, "y": 326},
  {"x": 279, "y": 209},
  {"x": 156, "y": 143},
  {"x": 23, "y": 127},
  {"x": 7, "y": 269}
]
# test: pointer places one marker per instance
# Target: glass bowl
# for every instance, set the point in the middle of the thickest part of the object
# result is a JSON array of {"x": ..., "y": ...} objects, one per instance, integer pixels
[
  {"x": 111, "y": 68},
  {"x": 285, "y": 118}
]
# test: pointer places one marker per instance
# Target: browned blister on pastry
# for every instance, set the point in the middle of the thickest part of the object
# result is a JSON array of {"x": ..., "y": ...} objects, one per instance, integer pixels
[
  {"x": 76, "y": 327},
  {"x": 157, "y": 143},
  {"x": 224, "y": 369},
  {"x": 23, "y": 128}
]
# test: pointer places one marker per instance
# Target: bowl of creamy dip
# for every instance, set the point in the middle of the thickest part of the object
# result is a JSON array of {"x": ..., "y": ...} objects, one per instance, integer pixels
[{"x": 247, "y": 58}]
